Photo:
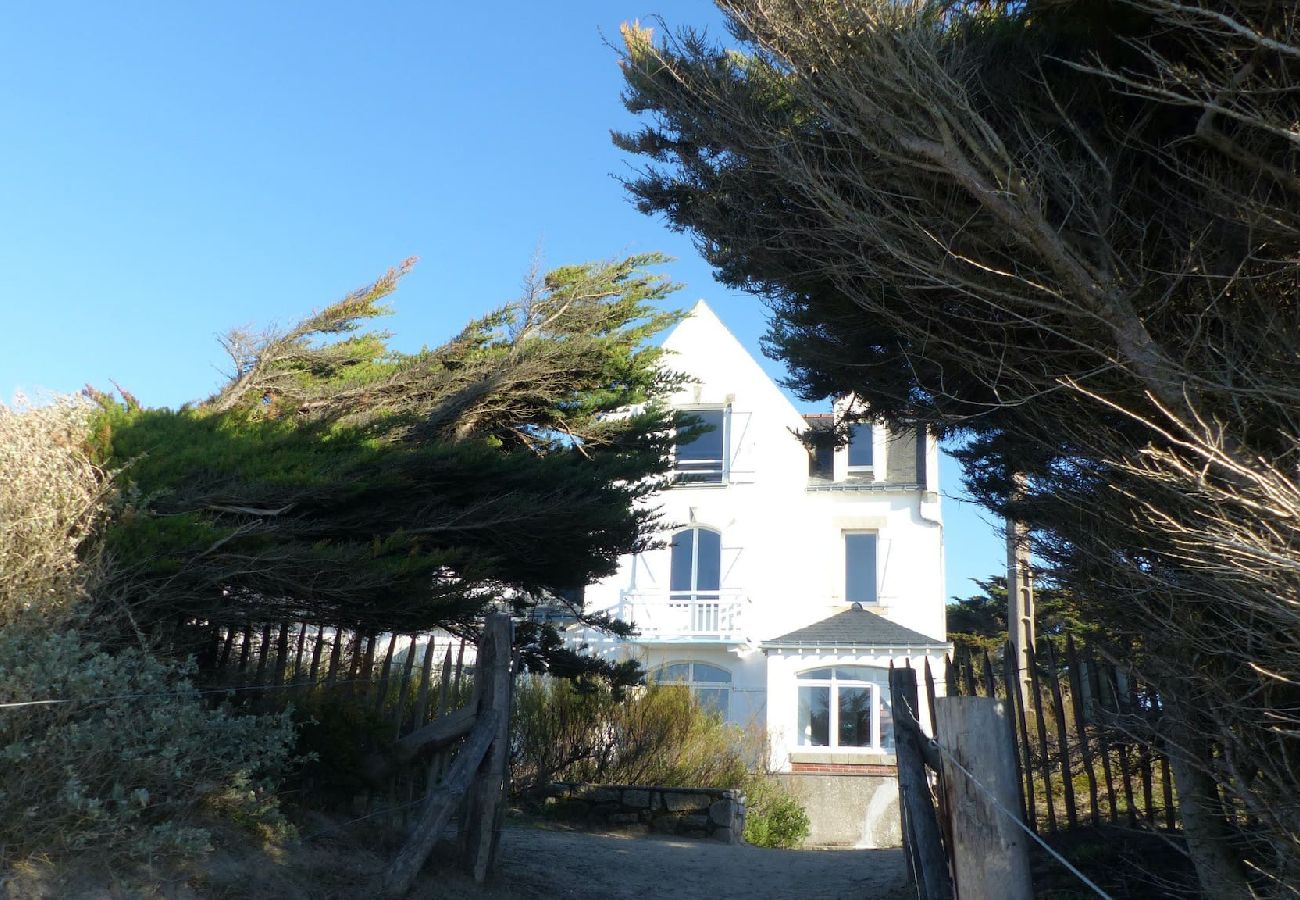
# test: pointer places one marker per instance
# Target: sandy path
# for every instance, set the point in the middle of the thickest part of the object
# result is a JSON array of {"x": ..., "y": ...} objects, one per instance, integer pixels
[{"x": 536, "y": 863}]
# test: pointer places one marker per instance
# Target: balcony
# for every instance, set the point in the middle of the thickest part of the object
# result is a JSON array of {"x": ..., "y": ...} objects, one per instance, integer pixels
[{"x": 686, "y": 616}]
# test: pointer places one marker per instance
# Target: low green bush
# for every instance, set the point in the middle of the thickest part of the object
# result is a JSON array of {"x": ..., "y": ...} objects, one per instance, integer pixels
[
  {"x": 130, "y": 759},
  {"x": 587, "y": 731},
  {"x": 134, "y": 762},
  {"x": 773, "y": 818}
]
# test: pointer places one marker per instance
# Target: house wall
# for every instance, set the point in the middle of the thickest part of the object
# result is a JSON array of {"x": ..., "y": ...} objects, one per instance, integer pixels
[
  {"x": 859, "y": 811},
  {"x": 782, "y": 532},
  {"x": 782, "y": 543}
]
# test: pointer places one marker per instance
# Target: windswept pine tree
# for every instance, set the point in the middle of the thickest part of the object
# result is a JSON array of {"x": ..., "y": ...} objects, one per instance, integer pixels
[
  {"x": 334, "y": 480},
  {"x": 1070, "y": 232}
]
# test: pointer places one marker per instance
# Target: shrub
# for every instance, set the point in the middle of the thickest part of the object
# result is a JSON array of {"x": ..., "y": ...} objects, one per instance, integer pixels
[
  {"x": 773, "y": 818},
  {"x": 53, "y": 500},
  {"x": 584, "y": 731},
  {"x": 137, "y": 774},
  {"x": 131, "y": 759}
]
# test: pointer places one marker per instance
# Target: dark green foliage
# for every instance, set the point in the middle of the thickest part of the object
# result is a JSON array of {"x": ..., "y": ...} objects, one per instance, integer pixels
[
  {"x": 1067, "y": 231},
  {"x": 979, "y": 622},
  {"x": 773, "y": 818},
  {"x": 333, "y": 480}
]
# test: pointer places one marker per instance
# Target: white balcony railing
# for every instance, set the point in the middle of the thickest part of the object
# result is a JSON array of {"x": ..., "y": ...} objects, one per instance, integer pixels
[{"x": 685, "y": 615}]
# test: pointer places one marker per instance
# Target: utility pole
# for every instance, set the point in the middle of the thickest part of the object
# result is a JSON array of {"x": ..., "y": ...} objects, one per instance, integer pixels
[{"x": 1020, "y": 590}]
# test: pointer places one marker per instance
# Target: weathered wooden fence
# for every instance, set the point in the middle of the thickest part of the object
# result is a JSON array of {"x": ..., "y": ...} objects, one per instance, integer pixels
[
  {"x": 442, "y": 705},
  {"x": 1090, "y": 746},
  {"x": 1071, "y": 742}
]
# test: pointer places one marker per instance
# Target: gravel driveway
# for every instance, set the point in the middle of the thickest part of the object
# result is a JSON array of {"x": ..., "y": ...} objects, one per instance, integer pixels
[{"x": 540, "y": 864}]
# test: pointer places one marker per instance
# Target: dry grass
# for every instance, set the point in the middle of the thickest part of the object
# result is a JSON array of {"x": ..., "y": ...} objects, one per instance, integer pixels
[{"x": 53, "y": 500}]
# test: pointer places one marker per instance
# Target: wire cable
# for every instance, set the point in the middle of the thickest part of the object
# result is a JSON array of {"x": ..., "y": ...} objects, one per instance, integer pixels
[
  {"x": 179, "y": 693},
  {"x": 1015, "y": 819}
]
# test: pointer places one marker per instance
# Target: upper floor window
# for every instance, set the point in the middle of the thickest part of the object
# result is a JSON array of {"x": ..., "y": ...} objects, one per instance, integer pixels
[
  {"x": 711, "y": 685},
  {"x": 861, "y": 450},
  {"x": 696, "y": 566},
  {"x": 821, "y": 460},
  {"x": 860, "y": 567},
  {"x": 703, "y": 459},
  {"x": 845, "y": 707}
]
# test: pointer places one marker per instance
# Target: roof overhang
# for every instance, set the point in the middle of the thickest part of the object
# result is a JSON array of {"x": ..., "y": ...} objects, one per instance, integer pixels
[{"x": 858, "y": 649}]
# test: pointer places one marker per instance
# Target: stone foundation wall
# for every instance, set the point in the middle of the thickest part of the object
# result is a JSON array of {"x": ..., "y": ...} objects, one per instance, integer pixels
[{"x": 692, "y": 812}]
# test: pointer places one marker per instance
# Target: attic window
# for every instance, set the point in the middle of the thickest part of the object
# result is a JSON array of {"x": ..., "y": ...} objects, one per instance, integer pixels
[
  {"x": 861, "y": 449},
  {"x": 703, "y": 459},
  {"x": 821, "y": 459}
]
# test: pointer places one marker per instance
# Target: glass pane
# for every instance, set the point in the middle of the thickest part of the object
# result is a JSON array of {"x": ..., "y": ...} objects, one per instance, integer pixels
[
  {"x": 708, "y": 575},
  {"x": 855, "y": 716},
  {"x": 860, "y": 441},
  {"x": 816, "y": 673},
  {"x": 714, "y": 699},
  {"x": 886, "y": 722},
  {"x": 706, "y": 672},
  {"x": 853, "y": 673},
  {"x": 814, "y": 716},
  {"x": 860, "y": 567},
  {"x": 708, "y": 446},
  {"x": 683, "y": 552},
  {"x": 673, "y": 672}
]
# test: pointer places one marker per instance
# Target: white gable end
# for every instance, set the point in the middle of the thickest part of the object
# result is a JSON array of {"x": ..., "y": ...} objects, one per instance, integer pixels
[{"x": 765, "y": 548}]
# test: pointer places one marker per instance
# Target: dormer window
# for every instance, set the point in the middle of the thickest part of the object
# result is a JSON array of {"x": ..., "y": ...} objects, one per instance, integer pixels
[
  {"x": 861, "y": 451},
  {"x": 703, "y": 459}
]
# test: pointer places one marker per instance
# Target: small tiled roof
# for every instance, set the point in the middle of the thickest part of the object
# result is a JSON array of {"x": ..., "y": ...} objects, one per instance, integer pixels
[{"x": 855, "y": 627}]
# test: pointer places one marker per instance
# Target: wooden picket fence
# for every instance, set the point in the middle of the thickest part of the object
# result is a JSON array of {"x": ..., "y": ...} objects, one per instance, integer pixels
[
  {"x": 448, "y": 716},
  {"x": 1087, "y": 733}
]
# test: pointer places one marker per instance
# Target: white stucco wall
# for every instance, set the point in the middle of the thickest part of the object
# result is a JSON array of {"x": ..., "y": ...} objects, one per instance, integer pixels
[{"x": 782, "y": 543}]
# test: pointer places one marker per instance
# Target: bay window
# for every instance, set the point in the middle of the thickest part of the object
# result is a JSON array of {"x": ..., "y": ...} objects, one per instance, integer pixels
[{"x": 845, "y": 708}]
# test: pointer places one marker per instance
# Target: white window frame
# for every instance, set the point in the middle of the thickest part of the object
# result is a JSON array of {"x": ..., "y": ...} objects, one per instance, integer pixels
[
  {"x": 833, "y": 684},
  {"x": 681, "y": 477},
  {"x": 859, "y": 469}
]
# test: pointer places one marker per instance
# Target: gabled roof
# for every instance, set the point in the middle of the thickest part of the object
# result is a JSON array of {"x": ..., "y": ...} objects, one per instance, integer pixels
[
  {"x": 702, "y": 347},
  {"x": 855, "y": 627}
]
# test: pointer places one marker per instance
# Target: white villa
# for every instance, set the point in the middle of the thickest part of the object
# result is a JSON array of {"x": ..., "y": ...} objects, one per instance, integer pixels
[{"x": 790, "y": 579}]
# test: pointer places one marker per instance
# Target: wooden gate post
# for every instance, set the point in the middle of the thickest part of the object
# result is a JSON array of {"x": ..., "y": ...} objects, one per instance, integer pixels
[
  {"x": 485, "y": 803},
  {"x": 990, "y": 852},
  {"x": 921, "y": 827}
]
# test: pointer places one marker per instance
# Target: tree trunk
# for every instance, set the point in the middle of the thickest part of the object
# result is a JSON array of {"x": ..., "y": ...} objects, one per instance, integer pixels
[{"x": 1217, "y": 868}]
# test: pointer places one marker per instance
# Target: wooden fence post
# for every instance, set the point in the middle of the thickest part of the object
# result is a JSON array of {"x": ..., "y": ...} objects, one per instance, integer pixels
[
  {"x": 990, "y": 853},
  {"x": 485, "y": 806},
  {"x": 932, "y": 881}
]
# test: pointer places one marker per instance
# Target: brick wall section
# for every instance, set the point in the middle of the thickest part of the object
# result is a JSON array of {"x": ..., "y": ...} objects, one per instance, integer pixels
[
  {"x": 843, "y": 769},
  {"x": 690, "y": 812}
]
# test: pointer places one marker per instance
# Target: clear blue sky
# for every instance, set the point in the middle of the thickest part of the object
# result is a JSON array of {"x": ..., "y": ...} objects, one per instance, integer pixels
[{"x": 170, "y": 170}]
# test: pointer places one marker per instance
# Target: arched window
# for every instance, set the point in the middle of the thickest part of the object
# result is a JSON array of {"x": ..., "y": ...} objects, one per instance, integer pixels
[
  {"x": 696, "y": 563},
  {"x": 845, "y": 707},
  {"x": 710, "y": 684}
]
